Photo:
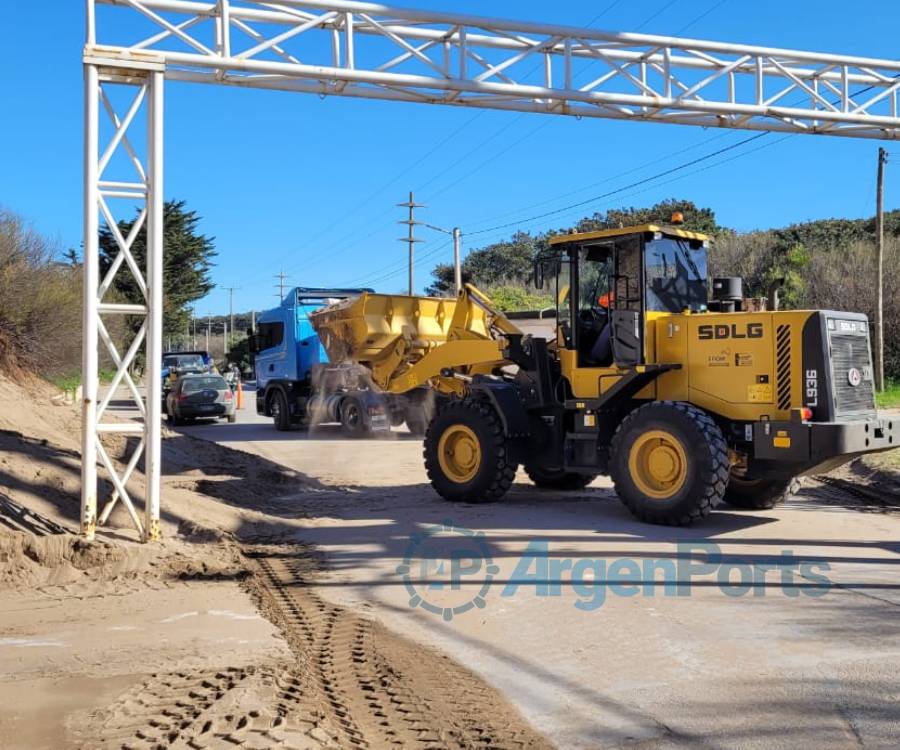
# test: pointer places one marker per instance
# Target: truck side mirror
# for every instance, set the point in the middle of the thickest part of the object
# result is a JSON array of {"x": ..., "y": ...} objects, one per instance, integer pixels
[
  {"x": 253, "y": 343},
  {"x": 538, "y": 274}
]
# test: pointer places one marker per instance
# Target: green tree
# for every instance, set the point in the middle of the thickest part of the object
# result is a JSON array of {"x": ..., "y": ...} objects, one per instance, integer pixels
[
  {"x": 187, "y": 261},
  {"x": 696, "y": 219},
  {"x": 510, "y": 262}
]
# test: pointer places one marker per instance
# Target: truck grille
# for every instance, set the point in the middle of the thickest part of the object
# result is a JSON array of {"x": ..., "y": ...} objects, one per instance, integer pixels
[{"x": 851, "y": 352}]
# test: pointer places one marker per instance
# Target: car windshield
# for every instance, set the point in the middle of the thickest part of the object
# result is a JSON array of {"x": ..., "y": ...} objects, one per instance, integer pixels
[
  {"x": 194, "y": 385},
  {"x": 184, "y": 361}
]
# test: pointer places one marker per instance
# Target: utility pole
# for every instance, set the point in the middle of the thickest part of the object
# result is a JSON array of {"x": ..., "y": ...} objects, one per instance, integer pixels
[
  {"x": 281, "y": 277},
  {"x": 879, "y": 305},
  {"x": 456, "y": 233},
  {"x": 457, "y": 265},
  {"x": 231, "y": 290},
  {"x": 410, "y": 238}
]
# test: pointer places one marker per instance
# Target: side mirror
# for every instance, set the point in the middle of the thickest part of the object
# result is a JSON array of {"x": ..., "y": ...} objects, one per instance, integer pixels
[
  {"x": 253, "y": 343},
  {"x": 538, "y": 274}
]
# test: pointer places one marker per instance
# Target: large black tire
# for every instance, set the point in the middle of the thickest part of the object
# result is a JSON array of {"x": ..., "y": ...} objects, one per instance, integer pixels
[
  {"x": 558, "y": 479},
  {"x": 466, "y": 454},
  {"x": 353, "y": 417},
  {"x": 417, "y": 425},
  {"x": 759, "y": 494},
  {"x": 669, "y": 463},
  {"x": 281, "y": 415}
]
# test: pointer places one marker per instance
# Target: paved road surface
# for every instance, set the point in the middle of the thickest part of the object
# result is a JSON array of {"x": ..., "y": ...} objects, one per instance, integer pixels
[{"x": 608, "y": 662}]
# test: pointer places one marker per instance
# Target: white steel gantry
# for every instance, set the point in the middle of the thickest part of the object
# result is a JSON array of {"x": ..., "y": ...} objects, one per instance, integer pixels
[{"x": 344, "y": 48}]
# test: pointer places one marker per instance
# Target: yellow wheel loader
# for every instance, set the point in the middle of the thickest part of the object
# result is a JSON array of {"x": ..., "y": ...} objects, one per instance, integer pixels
[{"x": 680, "y": 395}]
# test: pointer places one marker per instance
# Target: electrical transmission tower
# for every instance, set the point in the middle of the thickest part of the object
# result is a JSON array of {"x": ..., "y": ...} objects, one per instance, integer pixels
[
  {"x": 411, "y": 238},
  {"x": 280, "y": 285}
]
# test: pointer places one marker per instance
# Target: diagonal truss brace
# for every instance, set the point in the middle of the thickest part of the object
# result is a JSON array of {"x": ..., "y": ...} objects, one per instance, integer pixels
[{"x": 362, "y": 49}]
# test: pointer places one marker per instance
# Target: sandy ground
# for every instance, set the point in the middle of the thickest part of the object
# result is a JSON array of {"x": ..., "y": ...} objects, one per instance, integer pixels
[
  {"x": 313, "y": 591},
  {"x": 785, "y": 662},
  {"x": 211, "y": 639}
]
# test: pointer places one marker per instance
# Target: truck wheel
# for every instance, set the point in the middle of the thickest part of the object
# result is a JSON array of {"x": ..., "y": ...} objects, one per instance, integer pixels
[
  {"x": 558, "y": 479},
  {"x": 417, "y": 426},
  {"x": 669, "y": 463},
  {"x": 353, "y": 417},
  {"x": 281, "y": 414},
  {"x": 466, "y": 455},
  {"x": 759, "y": 494}
]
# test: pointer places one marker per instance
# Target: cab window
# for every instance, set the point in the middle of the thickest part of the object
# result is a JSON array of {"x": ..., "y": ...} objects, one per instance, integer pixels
[
  {"x": 676, "y": 275},
  {"x": 270, "y": 335}
]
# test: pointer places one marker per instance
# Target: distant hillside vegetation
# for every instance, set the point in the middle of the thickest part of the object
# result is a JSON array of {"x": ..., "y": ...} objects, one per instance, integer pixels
[{"x": 825, "y": 264}]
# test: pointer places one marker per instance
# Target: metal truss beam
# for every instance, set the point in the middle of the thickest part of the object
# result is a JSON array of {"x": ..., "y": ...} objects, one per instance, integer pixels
[
  {"x": 141, "y": 86},
  {"x": 340, "y": 47},
  {"x": 360, "y": 49}
]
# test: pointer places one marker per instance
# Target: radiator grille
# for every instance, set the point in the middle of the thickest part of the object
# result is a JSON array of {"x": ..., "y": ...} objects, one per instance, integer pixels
[
  {"x": 783, "y": 366},
  {"x": 849, "y": 352}
]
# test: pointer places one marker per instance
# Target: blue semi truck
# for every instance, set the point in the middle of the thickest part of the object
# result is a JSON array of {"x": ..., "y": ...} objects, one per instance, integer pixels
[{"x": 297, "y": 386}]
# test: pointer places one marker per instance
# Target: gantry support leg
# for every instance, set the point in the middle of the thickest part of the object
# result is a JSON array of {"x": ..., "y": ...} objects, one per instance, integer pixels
[{"x": 106, "y": 189}]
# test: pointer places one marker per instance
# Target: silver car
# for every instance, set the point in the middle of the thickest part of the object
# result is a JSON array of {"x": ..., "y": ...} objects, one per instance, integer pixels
[{"x": 199, "y": 397}]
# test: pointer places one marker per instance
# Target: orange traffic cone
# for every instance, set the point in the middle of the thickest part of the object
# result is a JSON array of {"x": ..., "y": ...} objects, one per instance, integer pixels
[{"x": 240, "y": 395}]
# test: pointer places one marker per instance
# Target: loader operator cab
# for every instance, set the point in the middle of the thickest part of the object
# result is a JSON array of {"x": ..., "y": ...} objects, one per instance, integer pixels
[{"x": 607, "y": 282}]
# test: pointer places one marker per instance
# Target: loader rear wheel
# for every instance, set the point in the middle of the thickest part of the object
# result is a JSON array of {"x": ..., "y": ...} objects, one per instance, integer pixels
[
  {"x": 558, "y": 479},
  {"x": 669, "y": 463},
  {"x": 759, "y": 494},
  {"x": 466, "y": 455}
]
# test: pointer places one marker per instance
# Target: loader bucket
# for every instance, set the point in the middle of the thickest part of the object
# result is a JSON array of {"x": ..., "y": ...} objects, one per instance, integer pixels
[{"x": 389, "y": 333}]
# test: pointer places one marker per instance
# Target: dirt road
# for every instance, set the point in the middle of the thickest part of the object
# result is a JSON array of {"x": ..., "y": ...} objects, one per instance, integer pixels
[
  {"x": 212, "y": 638},
  {"x": 787, "y": 636}
]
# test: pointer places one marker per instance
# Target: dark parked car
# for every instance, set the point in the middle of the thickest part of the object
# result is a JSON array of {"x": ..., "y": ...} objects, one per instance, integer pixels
[{"x": 200, "y": 396}]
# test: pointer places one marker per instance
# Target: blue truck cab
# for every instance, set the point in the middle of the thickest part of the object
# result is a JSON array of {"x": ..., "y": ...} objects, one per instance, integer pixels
[
  {"x": 288, "y": 346},
  {"x": 297, "y": 386}
]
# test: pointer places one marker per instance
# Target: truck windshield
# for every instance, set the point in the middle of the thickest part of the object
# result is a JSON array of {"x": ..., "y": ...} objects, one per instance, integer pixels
[
  {"x": 676, "y": 274},
  {"x": 184, "y": 362}
]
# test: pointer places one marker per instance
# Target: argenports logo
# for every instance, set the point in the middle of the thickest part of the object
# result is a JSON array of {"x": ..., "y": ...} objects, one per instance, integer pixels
[{"x": 447, "y": 570}]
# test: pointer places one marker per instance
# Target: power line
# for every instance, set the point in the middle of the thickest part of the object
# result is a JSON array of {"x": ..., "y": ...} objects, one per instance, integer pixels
[
  {"x": 325, "y": 253},
  {"x": 652, "y": 178},
  {"x": 657, "y": 14},
  {"x": 699, "y": 18},
  {"x": 643, "y": 181},
  {"x": 605, "y": 180}
]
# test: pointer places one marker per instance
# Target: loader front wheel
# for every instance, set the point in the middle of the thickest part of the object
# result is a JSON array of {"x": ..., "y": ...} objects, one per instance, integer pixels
[
  {"x": 669, "y": 463},
  {"x": 466, "y": 455},
  {"x": 558, "y": 479}
]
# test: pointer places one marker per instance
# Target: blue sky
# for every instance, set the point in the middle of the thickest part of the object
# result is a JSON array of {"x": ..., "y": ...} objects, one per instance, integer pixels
[{"x": 310, "y": 185}]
